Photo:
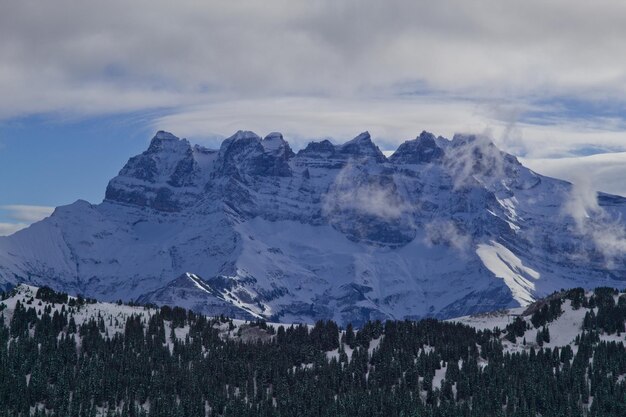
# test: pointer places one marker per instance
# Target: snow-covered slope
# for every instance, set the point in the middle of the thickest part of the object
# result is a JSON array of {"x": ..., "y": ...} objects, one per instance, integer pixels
[
  {"x": 440, "y": 228},
  {"x": 114, "y": 316},
  {"x": 563, "y": 330}
]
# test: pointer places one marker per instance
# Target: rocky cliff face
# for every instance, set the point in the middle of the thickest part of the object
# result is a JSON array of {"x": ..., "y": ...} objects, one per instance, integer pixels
[{"x": 440, "y": 228}]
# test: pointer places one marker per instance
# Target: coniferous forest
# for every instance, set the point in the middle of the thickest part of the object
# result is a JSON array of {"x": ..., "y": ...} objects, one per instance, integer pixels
[{"x": 52, "y": 366}]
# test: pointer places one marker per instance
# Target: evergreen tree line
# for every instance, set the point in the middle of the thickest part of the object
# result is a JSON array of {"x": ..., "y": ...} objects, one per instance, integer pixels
[{"x": 51, "y": 366}]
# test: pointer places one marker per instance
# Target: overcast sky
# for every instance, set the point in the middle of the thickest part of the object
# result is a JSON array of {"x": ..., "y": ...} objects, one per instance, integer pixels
[{"x": 84, "y": 85}]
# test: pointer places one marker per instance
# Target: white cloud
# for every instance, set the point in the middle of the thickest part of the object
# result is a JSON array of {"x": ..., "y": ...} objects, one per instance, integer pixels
[
  {"x": 21, "y": 216},
  {"x": 324, "y": 68},
  {"x": 390, "y": 120},
  {"x": 351, "y": 190},
  {"x": 564, "y": 139},
  {"x": 446, "y": 232},
  {"x": 303, "y": 118},
  {"x": 602, "y": 172},
  {"x": 7, "y": 229},
  {"x": 26, "y": 213},
  {"x": 594, "y": 223}
]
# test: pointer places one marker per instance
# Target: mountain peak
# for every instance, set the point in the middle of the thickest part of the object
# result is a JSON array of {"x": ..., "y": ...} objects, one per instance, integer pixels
[
  {"x": 146, "y": 179},
  {"x": 362, "y": 146},
  {"x": 163, "y": 135},
  {"x": 165, "y": 142},
  {"x": 274, "y": 144},
  {"x": 246, "y": 153},
  {"x": 462, "y": 139},
  {"x": 363, "y": 136},
  {"x": 274, "y": 135},
  {"x": 321, "y": 149},
  {"x": 317, "y": 237},
  {"x": 241, "y": 141},
  {"x": 478, "y": 154},
  {"x": 422, "y": 149},
  {"x": 245, "y": 135}
]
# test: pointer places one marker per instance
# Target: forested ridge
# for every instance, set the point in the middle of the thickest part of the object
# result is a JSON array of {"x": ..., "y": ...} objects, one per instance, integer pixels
[{"x": 57, "y": 361}]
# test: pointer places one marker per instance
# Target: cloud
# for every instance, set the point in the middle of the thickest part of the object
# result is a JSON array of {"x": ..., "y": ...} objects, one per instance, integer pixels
[
  {"x": 222, "y": 65},
  {"x": 446, "y": 232},
  {"x": 604, "y": 172},
  {"x": 302, "y": 119},
  {"x": 354, "y": 190},
  {"x": 591, "y": 221},
  {"x": 21, "y": 216},
  {"x": 27, "y": 214},
  {"x": 391, "y": 120},
  {"x": 475, "y": 158},
  {"x": 7, "y": 229}
]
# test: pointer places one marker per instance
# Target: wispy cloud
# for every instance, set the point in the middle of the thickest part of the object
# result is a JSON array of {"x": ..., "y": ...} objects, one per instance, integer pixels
[
  {"x": 607, "y": 234},
  {"x": 300, "y": 119},
  {"x": 603, "y": 172},
  {"x": 533, "y": 74},
  {"x": 391, "y": 121},
  {"x": 7, "y": 229},
  {"x": 447, "y": 233},
  {"x": 26, "y": 213},
  {"x": 354, "y": 190}
]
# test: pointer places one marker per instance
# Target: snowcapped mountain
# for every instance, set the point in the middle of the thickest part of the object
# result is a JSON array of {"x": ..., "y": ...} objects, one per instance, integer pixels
[{"x": 441, "y": 228}]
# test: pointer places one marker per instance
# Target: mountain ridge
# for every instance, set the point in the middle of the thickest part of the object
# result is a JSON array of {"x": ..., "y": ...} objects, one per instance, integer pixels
[{"x": 439, "y": 228}]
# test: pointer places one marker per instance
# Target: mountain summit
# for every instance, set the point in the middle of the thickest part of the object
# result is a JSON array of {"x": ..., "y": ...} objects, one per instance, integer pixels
[{"x": 441, "y": 228}]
